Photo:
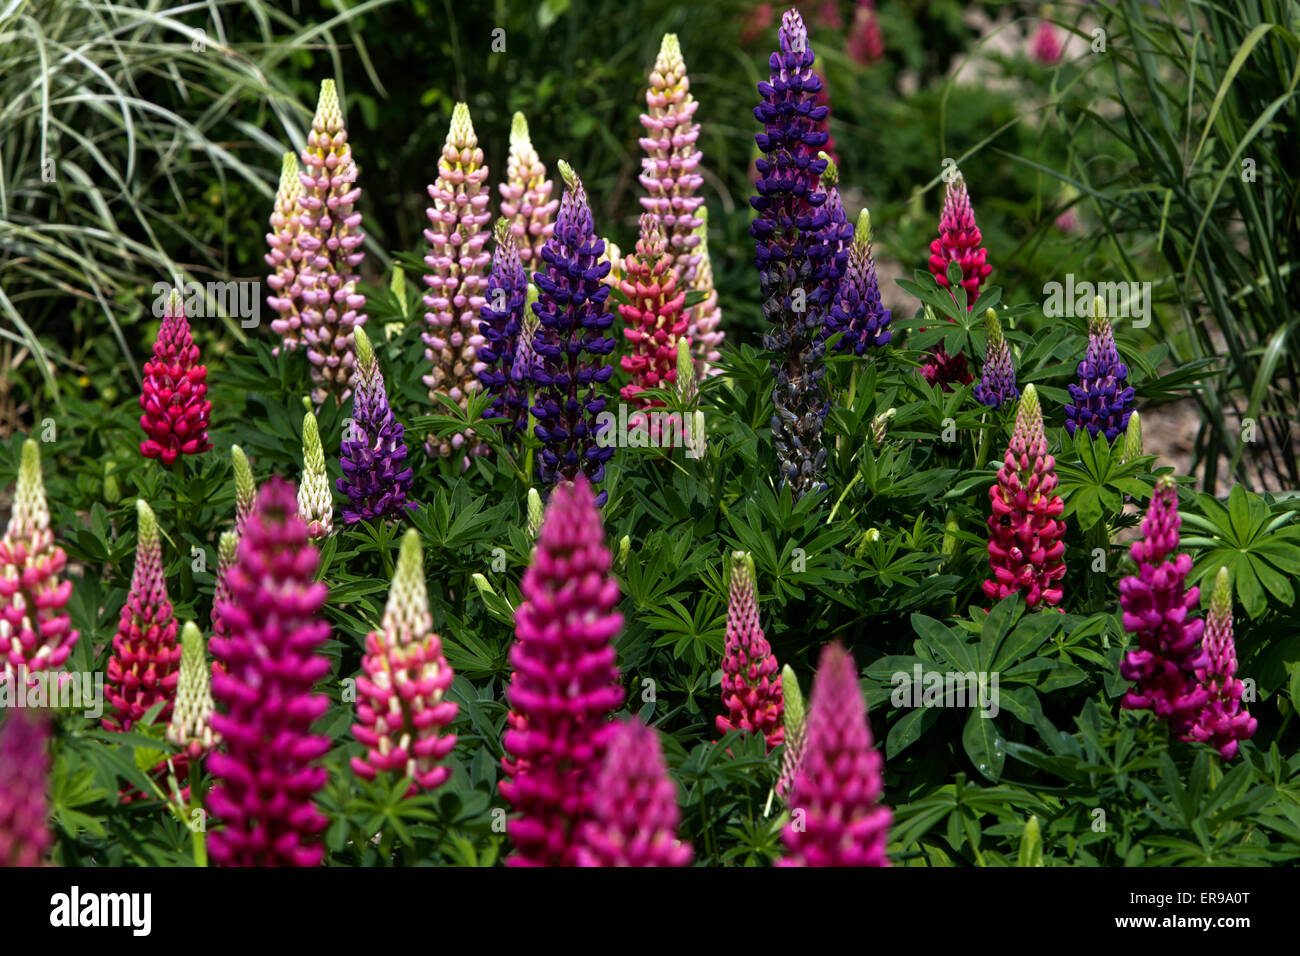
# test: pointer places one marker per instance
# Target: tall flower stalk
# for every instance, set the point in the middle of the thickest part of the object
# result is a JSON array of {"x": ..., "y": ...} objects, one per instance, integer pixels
[
  {"x": 796, "y": 731},
  {"x": 997, "y": 384},
  {"x": 794, "y": 260},
  {"x": 285, "y": 258},
  {"x": 1103, "y": 400},
  {"x": 191, "y": 721},
  {"x": 572, "y": 342},
  {"x": 856, "y": 310},
  {"x": 653, "y": 320},
  {"x": 330, "y": 240},
  {"x": 402, "y": 710},
  {"x": 502, "y": 325},
  {"x": 145, "y": 665},
  {"x": 458, "y": 267},
  {"x": 960, "y": 242},
  {"x": 266, "y": 768},
  {"x": 1025, "y": 529},
  {"x": 1222, "y": 723},
  {"x": 751, "y": 682},
  {"x": 315, "y": 502},
  {"x": 174, "y": 412},
  {"x": 526, "y": 195},
  {"x": 565, "y": 681}
]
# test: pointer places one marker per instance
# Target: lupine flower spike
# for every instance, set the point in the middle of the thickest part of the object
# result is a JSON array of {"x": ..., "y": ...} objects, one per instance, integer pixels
[
  {"x": 1168, "y": 657},
  {"x": 959, "y": 241},
  {"x": 526, "y": 195},
  {"x": 669, "y": 170},
  {"x": 794, "y": 260},
  {"x": 458, "y": 269},
  {"x": 704, "y": 321},
  {"x": 836, "y": 816},
  {"x": 174, "y": 411},
  {"x": 565, "y": 681},
  {"x": 145, "y": 664},
  {"x": 330, "y": 239},
  {"x": 35, "y": 631},
  {"x": 376, "y": 477},
  {"x": 751, "y": 682},
  {"x": 245, "y": 489},
  {"x": 191, "y": 723},
  {"x": 402, "y": 710},
  {"x": 24, "y": 770},
  {"x": 634, "y": 814},
  {"x": 1132, "y": 438},
  {"x": 866, "y": 44},
  {"x": 856, "y": 310},
  {"x": 688, "y": 389},
  {"x": 502, "y": 325},
  {"x": 796, "y": 730},
  {"x": 1025, "y": 530},
  {"x": 571, "y": 343},
  {"x": 315, "y": 502},
  {"x": 653, "y": 320},
  {"x": 227, "y": 549},
  {"x": 535, "y": 513},
  {"x": 997, "y": 384},
  {"x": 1103, "y": 399},
  {"x": 285, "y": 258},
  {"x": 266, "y": 768},
  {"x": 1222, "y": 723}
]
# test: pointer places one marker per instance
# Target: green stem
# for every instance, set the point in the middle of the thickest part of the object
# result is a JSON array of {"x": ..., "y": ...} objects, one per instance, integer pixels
[
  {"x": 1097, "y": 580},
  {"x": 196, "y": 800},
  {"x": 180, "y": 527}
]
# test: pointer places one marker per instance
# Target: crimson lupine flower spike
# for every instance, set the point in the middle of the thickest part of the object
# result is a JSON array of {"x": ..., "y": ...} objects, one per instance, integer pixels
[
  {"x": 174, "y": 412},
  {"x": 653, "y": 319},
  {"x": 1046, "y": 47},
  {"x": 35, "y": 631},
  {"x": 1168, "y": 656},
  {"x": 959, "y": 241},
  {"x": 704, "y": 323},
  {"x": 501, "y": 327},
  {"x": 266, "y": 768},
  {"x": 835, "y": 815},
  {"x": 997, "y": 384},
  {"x": 571, "y": 343},
  {"x": 191, "y": 723},
  {"x": 1025, "y": 530},
  {"x": 526, "y": 195},
  {"x": 1222, "y": 723},
  {"x": 1103, "y": 399},
  {"x": 376, "y": 478},
  {"x": 458, "y": 270},
  {"x": 402, "y": 712},
  {"x": 856, "y": 310},
  {"x": 751, "y": 679},
  {"x": 669, "y": 169},
  {"x": 565, "y": 681},
  {"x": 285, "y": 258},
  {"x": 331, "y": 244},
  {"x": 792, "y": 254},
  {"x": 145, "y": 664},
  {"x": 634, "y": 815},
  {"x": 866, "y": 44},
  {"x": 24, "y": 770}
]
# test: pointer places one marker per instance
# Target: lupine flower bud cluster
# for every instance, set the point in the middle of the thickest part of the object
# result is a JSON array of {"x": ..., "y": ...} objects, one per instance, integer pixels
[
  {"x": 331, "y": 243},
  {"x": 653, "y": 320},
  {"x": 565, "y": 681},
  {"x": 856, "y": 309},
  {"x": 1025, "y": 530},
  {"x": 1222, "y": 722},
  {"x": 751, "y": 682},
  {"x": 458, "y": 267},
  {"x": 315, "y": 502},
  {"x": 1103, "y": 399},
  {"x": 997, "y": 384},
  {"x": 145, "y": 664},
  {"x": 191, "y": 723},
  {"x": 402, "y": 710},
  {"x": 174, "y": 411},
  {"x": 526, "y": 195},
  {"x": 285, "y": 258},
  {"x": 796, "y": 730}
]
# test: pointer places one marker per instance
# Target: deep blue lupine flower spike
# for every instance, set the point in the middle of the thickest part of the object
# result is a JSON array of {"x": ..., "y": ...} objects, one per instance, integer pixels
[
  {"x": 1102, "y": 401},
  {"x": 571, "y": 343},
  {"x": 375, "y": 478},
  {"x": 997, "y": 384},
  {"x": 502, "y": 317},
  {"x": 857, "y": 310}
]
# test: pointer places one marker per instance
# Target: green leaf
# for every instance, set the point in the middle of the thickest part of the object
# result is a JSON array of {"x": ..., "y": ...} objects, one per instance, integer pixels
[{"x": 984, "y": 745}]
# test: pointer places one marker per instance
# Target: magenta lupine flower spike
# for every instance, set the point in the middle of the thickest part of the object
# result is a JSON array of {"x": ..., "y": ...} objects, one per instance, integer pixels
[
  {"x": 526, "y": 195},
  {"x": 634, "y": 814},
  {"x": 35, "y": 631},
  {"x": 1025, "y": 530},
  {"x": 24, "y": 770},
  {"x": 145, "y": 664},
  {"x": 376, "y": 478},
  {"x": 1222, "y": 723},
  {"x": 331, "y": 243},
  {"x": 751, "y": 678},
  {"x": 191, "y": 723},
  {"x": 174, "y": 412},
  {"x": 997, "y": 384},
  {"x": 959, "y": 241},
  {"x": 704, "y": 321},
  {"x": 458, "y": 269},
  {"x": 669, "y": 169},
  {"x": 653, "y": 320},
  {"x": 285, "y": 258},
  {"x": 836, "y": 818},
  {"x": 1103, "y": 399},
  {"x": 1156, "y": 606},
  {"x": 402, "y": 710},
  {"x": 565, "y": 681},
  {"x": 266, "y": 768}
]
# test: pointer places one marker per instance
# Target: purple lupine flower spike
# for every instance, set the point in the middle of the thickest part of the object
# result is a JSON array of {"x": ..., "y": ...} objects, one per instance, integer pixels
[
  {"x": 1222, "y": 722},
  {"x": 24, "y": 769},
  {"x": 857, "y": 310},
  {"x": 502, "y": 322},
  {"x": 572, "y": 343},
  {"x": 376, "y": 477},
  {"x": 997, "y": 384},
  {"x": 1103, "y": 399}
]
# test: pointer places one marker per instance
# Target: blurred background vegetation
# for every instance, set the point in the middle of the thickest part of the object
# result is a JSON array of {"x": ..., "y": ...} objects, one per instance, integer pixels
[{"x": 143, "y": 138}]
